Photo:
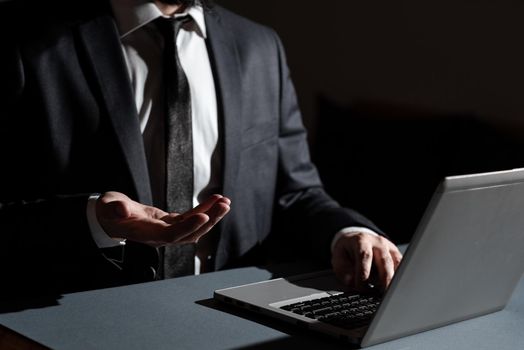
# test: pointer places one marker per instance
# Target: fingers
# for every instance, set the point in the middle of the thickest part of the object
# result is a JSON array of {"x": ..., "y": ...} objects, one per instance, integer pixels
[
  {"x": 352, "y": 260},
  {"x": 189, "y": 225},
  {"x": 363, "y": 264},
  {"x": 192, "y": 225},
  {"x": 356, "y": 253},
  {"x": 215, "y": 214},
  {"x": 206, "y": 207},
  {"x": 208, "y": 204},
  {"x": 396, "y": 255},
  {"x": 342, "y": 263},
  {"x": 384, "y": 264}
]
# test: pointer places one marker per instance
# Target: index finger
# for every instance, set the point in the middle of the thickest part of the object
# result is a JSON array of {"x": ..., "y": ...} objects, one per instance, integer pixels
[
  {"x": 207, "y": 204},
  {"x": 363, "y": 262},
  {"x": 385, "y": 266},
  {"x": 215, "y": 214}
]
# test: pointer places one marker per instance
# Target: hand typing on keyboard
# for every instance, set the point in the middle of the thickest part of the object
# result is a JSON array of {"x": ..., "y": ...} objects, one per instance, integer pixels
[{"x": 356, "y": 253}]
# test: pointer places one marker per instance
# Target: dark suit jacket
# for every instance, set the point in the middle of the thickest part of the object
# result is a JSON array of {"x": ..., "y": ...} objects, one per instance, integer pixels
[{"x": 70, "y": 128}]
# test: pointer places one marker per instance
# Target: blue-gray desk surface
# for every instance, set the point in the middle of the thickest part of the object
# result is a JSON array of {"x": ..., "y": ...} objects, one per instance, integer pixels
[{"x": 180, "y": 314}]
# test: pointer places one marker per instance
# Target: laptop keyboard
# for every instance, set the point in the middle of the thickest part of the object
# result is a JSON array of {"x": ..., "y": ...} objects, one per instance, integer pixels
[{"x": 341, "y": 310}]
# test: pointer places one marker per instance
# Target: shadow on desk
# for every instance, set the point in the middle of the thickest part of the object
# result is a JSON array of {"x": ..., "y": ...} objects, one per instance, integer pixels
[
  {"x": 13, "y": 304},
  {"x": 298, "y": 338}
]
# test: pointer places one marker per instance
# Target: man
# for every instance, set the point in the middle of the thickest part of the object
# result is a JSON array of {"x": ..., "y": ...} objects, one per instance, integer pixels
[{"x": 87, "y": 170}]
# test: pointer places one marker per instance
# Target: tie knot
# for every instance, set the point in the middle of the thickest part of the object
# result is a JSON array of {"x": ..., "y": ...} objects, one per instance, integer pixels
[{"x": 169, "y": 27}]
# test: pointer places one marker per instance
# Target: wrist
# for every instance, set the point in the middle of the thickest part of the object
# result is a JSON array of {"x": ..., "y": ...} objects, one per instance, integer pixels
[
  {"x": 348, "y": 231},
  {"x": 98, "y": 233}
]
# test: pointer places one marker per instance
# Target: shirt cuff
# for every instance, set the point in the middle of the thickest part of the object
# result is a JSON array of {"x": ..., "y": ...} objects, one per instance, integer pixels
[
  {"x": 351, "y": 229},
  {"x": 100, "y": 237}
]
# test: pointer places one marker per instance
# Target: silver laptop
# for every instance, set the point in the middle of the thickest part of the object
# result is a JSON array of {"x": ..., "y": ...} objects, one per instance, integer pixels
[{"x": 464, "y": 260}]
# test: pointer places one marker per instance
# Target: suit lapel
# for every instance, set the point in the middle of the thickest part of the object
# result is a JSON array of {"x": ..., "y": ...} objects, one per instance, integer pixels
[
  {"x": 226, "y": 67},
  {"x": 102, "y": 45}
]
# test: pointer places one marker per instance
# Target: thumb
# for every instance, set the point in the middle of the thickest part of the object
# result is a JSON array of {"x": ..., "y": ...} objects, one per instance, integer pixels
[{"x": 118, "y": 209}]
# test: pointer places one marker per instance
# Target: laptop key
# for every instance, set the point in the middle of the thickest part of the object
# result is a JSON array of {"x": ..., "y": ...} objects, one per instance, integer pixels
[
  {"x": 307, "y": 308},
  {"x": 322, "y": 311}
]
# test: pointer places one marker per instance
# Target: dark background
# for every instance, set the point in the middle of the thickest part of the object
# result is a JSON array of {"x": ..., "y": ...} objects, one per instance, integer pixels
[{"x": 398, "y": 94}]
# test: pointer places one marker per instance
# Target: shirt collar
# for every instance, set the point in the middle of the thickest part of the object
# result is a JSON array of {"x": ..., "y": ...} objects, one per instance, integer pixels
[{"x": 131, "y": 15}]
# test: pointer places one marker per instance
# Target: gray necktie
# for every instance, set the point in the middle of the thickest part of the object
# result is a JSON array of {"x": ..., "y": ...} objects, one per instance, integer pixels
[{"x": 177, "y": 260}]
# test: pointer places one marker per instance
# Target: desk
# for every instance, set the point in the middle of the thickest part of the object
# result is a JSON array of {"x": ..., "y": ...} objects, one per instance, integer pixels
[{"x": 180, "y": 314}]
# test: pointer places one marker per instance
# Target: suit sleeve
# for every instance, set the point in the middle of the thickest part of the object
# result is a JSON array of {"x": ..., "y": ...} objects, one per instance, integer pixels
[
  {"x": 45, "y": 243},
  {"x": 303, "y": 205}
]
